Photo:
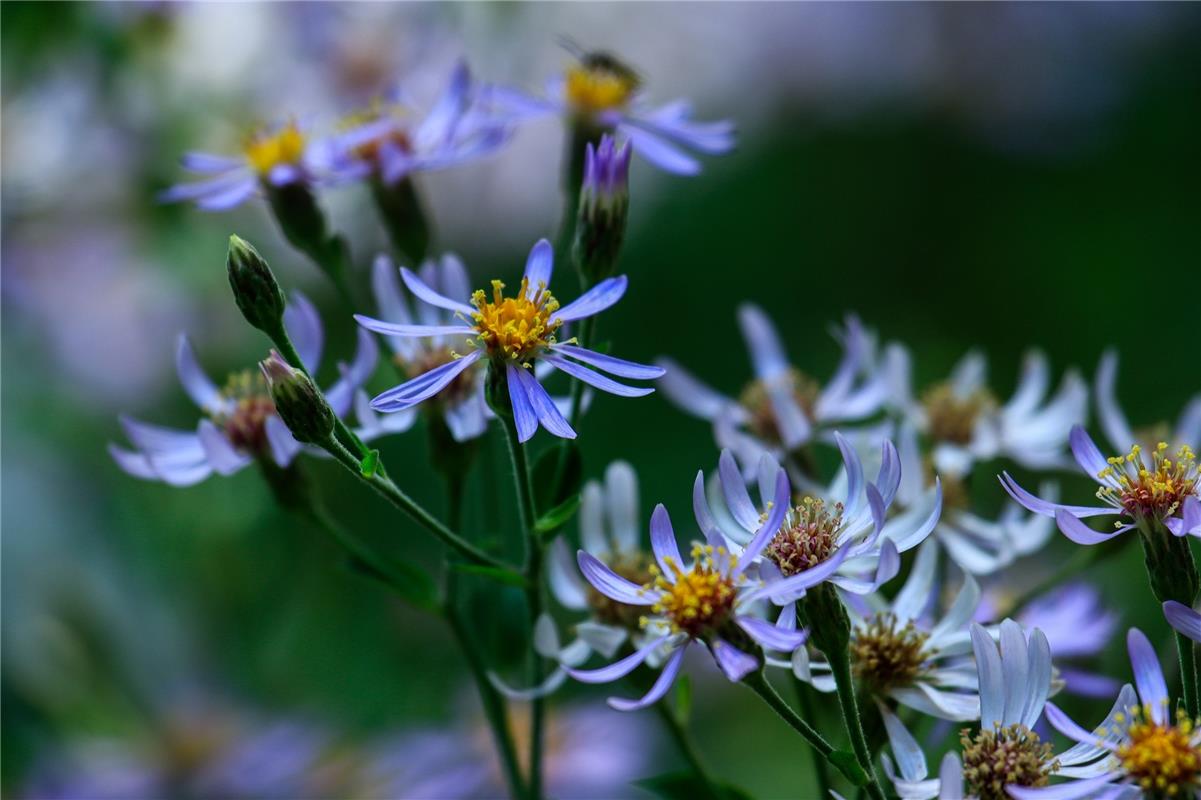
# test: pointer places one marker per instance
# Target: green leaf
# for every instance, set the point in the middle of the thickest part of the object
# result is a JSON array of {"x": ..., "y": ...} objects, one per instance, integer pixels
[
  {"x": 412, "y": 584},
  {"x": 498, "y": 574},
  {"x": 550, "y": 522},
  {"x": 369, "y": 464},
  {"x": 557, "y": 475},
  {"x": 848, "y": 765},
  {"x": 683, "y": 699},
  {"x": 687, "y": 786}
]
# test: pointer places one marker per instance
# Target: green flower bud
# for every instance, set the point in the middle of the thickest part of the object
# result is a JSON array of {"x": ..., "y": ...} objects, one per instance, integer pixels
[
  {"x": 256, "y": 291},
  {"x": 603, "y": 209},
  {"x": 299, "y": 403}
]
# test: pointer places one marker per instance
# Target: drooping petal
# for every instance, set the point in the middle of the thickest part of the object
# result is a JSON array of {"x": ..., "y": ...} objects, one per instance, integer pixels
[
  {"x": 1073, "y": 790},
  {"x": 283, "y": 444},
  {"x": 595, "y": 300},
  {"x": 612, "y": 585},
  {"x": 614, "y": 366},
  {"x": 199, "y": 387},
  {"x": 548, "y": 414},
  {"x": 226, "y": 460},
  {"x": 596, "y": 379},
  {"x": 1148, "y": 677},
  {"x": 906, "y": 750},
  {"x": 524, "y": 415},
  {"x": 618, "y": 669},
  {"x": 1078, "y": 532},
  {"x": 660, "y": 152},
  {"x": 563, "y": 578},
  {"x": 424, "y": 386},
  {"x": 1086, "y": 453},
  {"x": 772, "y": 637},
  {"x": 1047, "y": 509},
  {"x": 733, "y": 662},
  {"x": 414, "y": 331},
  {"x": 1183, "y": 619},
  {"x": 424, "y": 292},
  {"x": 666, "y": 677}
]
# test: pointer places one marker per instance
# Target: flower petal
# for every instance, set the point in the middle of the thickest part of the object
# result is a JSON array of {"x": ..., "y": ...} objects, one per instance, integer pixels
[
  {"x": 595, "y": 300},
  {"x": 618, "y": 669},
  {"x": 427, "y": 294},
  {"x": 663, "y": 543},
  {"x": 1148, "y": 677},
  {"x": 524, "y": 415},
  {"x": 1086, "y": 453},
  {"x": 548, "y": 414},
  {"x": 733, "y": 489},
  {"x": 538, "y": 266},
  {"x": 195, "y": 381},
  {"x": 992, "y": 686},
  {"x": 772, "y": 637},
  {"x": 1078, "y": 532},
  {"x": 614, "y": 366},
  {"x": 415, "y": 331},
  {"x": 612, "y": 585},
  {"x": 1183, "y": 619},
  {"x": 690, "y": 394},
  {"x": 596, "y": 379},
  {"x": 303, "y": 325},
  {"x": 666, "y": 677},
  {"x": 733, "y": 662},
  {"x": 1047, "y": 509}
]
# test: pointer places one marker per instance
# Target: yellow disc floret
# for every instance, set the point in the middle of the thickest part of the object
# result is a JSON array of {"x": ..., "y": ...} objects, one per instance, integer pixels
[
  {"x": 1155, "y": 492},
  {"x": 268, "y": 149},
  {"x": 599, "y": 83},
  {"x": 700, "y": 599},
  {"x": 1163, "y": 759},
  {"x": 515, "y": 328}
]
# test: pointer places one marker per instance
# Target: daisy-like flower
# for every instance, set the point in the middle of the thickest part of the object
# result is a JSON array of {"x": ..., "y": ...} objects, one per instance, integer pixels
[
  {"x": 709, "y": 601},
  {"x": 272, "y": 157},
  {"x": 1132, "y": 489},
  {"x": 1140, "y": 750},
  {"x": 1116, "y": 427},
  {"x": 896, "y": 653},
  {"x": 848, "y": 541},
  {"x": 606, "y": 96},
  {"x": 391, "y": 141},
  {"x": 782, "y": 408},
  {"x": 966, "y": 423},
  {"x": 514, "y": 334},
  {"x": 1183, "y": 619},
  {"x": 240, "y": 424},
  {"x": 1006, "y": 754}
]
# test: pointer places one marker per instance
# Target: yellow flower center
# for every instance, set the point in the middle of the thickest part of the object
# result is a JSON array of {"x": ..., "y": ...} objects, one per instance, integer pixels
[
  {"x": 1162, "y": 758},
  {"x": 515, "y": 328},
  {"x": 701, "y": 599},
  {"x": 1012, "y": 756},
  {"x": 244, "y": 425},
  {"x": 951, "y": 416},
  {"x": 885, "y": 655},
  {"x": 599, "y": 86},
  {"x": 267, "y": 150},
  {"x": 1155, "y": 492},
  {"x": 807, "y": 537}
]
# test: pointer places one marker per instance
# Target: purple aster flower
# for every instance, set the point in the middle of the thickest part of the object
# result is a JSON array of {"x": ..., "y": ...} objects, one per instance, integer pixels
[
  {"x": 240, "y": 423},
  {"x": 1116, "y": 427},
  {"x": 1183, "y": 619},
  {"x": 848, "y": 541},
  {"x": 1141, "y": 746},
  {"x": 1131, "y": 488},
  {"x": 390, "y": 142},
  {"x": 1014, "y": 676},
  {"x": 781, "y": 409},
  {"x": 274, "y": 156},
  {"x": 514, "y": 334},
  {"x": 709, "y": 601},
  {"x": 965, "y": 422},
  {"x": 899, "y": 654},
  {"x": 605, "y": 94}
]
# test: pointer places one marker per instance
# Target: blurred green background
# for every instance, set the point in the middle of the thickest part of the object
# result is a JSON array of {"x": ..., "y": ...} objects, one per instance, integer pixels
[{"x": 999, "y": 177}]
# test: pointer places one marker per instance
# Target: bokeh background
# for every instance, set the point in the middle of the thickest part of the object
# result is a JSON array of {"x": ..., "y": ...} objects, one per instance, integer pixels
[{"x": 993, "y": 176}]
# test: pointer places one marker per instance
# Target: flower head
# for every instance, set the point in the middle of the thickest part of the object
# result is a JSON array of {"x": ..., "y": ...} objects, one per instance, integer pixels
[{"x": 514, "y": 334}]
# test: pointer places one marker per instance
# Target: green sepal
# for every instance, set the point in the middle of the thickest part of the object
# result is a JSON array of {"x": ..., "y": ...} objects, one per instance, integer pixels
[
  {"x": 557, "y": 476},
  {"x": 369, "y": 464},
  {"x": 552, "y": 521},
  {"x": 687, "y": 786},
  {"x": 498, "y": 574},
  {"x": 848, "y": 765}
]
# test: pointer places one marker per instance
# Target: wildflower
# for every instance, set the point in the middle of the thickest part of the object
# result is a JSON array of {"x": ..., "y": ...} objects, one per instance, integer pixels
[
  {"x": 1014, "y": 678},
  {"x": 272, "y": 157},
  {"x": 781, "y": 409},
  {"x": 896, "y": 654},
  {"x": 390, "y": 141},
  {"x": 1139, "y": 748},
  {"x": 709, "y": 601},
  {"x": 240, "y": 422},
  {"x": 966, "y": 423},
  {"x": 847, "y": 542},
  {"x": 601, "y": 94},
  {"x": 604, "y": 205},
  {"x": 1183, "y": 619},
  {"x": 514, "y": 333},
  {"x": 1132, "y": 489},
  {"x": 1116, "y": 427},
  {"x": 297, "y": 401}
]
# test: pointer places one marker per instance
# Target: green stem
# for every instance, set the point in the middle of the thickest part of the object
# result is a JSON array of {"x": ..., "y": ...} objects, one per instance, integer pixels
[
  {"x": 587, "y": 332},
  {"x": 683, "y": 742},
  {"x": 533, "y": 594},
  {"x": 805, "y": 703},
  {"x": 393, "y": 494},
  {"x": 759, "y": 685},
  {"x": 840, "y": 666},
  {"x": 1188, "y": 673}
]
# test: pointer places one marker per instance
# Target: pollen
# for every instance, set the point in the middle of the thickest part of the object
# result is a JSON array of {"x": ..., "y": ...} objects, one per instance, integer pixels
[
  {"x": 807, "y": 536},
  {"x": 952, "y": 417},
  {"x": 756, "y": 399},
  {"x": 268, "y": 149},
  {"x": 515, "y": 328},
  {"x": 1155, "y": 491},
  {"x": 599, "y": 83},
  {"x": 244, "y": 425},
  {"x": 701, "y": 599},
  {"x": 885, "y": 655},
  {"x": 1012, "y": 756},
  {"x": 1163, "y": 759}
]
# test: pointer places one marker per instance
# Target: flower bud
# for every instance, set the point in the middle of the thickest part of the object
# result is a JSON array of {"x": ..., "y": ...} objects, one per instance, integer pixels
[
  {"x": 603, "y": 209},
  {"x": 298, "y": 401},
  {"x": 300, "y": 218},
  {"x": 403, "y": 215},
  {"x": 256, "y": 291}
]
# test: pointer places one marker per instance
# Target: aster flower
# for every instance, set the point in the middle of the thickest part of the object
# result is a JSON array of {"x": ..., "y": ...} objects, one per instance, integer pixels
[
  {"x": 1132, "y": 489},
  {"x": 514, "y": 334},
  {"x": 273, "y": 156},
  {"x": 899, "y": 654},
  {"x": 390, "y": 142},
  {"x": 605, "y": 95},
  {"x": 848, "y": 541},
  {"x": 1078, "y": 626},
  {"x": 1014, "y": 676},
  {"x": 1183, "y": 619},
  {"x": 781, "y": 409},
  {"x": 1116, "y": 427},
  {"x": 1140, "y": 750},
  {"x": 966, "y": 423},
  {"x": 710, "y": 601},
  {"x": 240, "y": 423}
]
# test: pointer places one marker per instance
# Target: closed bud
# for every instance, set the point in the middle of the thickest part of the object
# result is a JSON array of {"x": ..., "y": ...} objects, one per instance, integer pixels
[
  {"x": 256, "y": 291},
  {"x": 298, "y": 401},
  {"x": 603, "y": 209}
]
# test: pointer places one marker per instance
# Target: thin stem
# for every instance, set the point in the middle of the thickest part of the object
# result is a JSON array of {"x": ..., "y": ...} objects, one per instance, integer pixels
[
  {"x": 1188, "y": 673},
  {"x": 840, "y": 666},
  {"x": 760, "y": 686},
  {"x": 533, "y": 594},
  {"x": 587, "y": 332},
  {"x": 683, "y": 742},
  {"x": 805, "y": 702},
  {"x": 393, "y": 494}
]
